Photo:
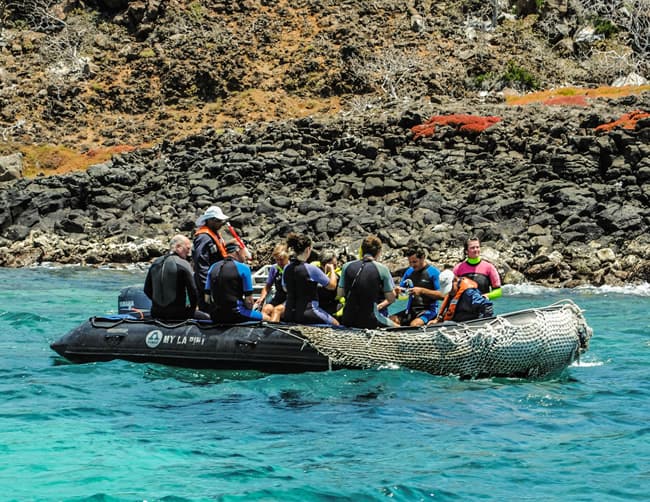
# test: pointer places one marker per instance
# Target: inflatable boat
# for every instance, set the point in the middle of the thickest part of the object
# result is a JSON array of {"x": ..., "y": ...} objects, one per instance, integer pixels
[{"x": 529, "y": 343}]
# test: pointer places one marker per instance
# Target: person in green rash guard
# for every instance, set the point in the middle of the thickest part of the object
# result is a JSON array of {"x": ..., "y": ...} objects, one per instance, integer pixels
[{"x": 482, "y": 271}]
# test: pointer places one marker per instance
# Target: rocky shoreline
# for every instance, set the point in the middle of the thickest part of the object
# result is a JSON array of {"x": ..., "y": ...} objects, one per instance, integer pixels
[{"x": 554, "y": 201}]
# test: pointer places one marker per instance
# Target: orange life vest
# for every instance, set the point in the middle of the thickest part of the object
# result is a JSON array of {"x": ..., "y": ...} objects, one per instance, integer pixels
[
  {"x": 218, "y": 240},
  {"x": 459, "y": 286}
]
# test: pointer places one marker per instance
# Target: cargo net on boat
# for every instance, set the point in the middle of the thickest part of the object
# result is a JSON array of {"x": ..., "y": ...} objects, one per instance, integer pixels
[{"x": 530, "y": 344}]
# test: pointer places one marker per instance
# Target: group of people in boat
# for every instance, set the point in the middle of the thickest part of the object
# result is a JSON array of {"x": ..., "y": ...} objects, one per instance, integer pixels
[{"x": 219, "y": 283}]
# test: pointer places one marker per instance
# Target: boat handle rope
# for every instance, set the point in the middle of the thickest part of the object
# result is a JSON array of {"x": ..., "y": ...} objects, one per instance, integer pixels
[
  {"x": 306, "y": 343},
  {"x": 298, "y": 336}
]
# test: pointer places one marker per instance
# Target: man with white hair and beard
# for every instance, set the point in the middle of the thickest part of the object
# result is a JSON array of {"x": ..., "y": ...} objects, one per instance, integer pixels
[{"x": 169, "y": 283}]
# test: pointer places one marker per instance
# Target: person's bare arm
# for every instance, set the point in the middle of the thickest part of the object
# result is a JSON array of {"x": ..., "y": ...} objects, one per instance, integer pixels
[{"x": 389, "y": 297}]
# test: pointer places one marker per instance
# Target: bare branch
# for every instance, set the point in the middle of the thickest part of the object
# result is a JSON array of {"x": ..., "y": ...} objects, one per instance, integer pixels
[
  {"x": 64, "y": 53},
  {"x": 388, "y": 71},
  {"x": 38, "y": 14},
  {"x": 9, "y": 131},
  {"x": 633, "y": 16}
]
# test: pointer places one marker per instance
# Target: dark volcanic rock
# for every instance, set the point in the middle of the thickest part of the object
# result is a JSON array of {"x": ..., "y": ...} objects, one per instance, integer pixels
[{"x": 562, "y": 207}]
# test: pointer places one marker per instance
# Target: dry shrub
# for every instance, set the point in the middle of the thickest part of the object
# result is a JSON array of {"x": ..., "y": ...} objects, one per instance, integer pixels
[
  {"x": 391, "y": 72},
  {"x": 633, "y": 16},
  {"x": 608, "y": 65}
]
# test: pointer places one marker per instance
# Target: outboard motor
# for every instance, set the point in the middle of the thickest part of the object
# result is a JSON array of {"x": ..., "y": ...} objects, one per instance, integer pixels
[{"x": 133, "y": 302}]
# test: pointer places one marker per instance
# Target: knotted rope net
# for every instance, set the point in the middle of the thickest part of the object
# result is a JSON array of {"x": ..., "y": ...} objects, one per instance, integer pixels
[{"x": 530, "y": 343}]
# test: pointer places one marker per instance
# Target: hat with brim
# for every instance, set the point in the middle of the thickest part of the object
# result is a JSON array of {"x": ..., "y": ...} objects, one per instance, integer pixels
[
  {"x": 213, "y": 212},
  {"x": 446, "y": 278}
]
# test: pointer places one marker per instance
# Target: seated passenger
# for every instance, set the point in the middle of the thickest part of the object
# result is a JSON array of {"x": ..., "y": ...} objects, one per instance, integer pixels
[
  {"x": 464, "y": 301},
  {"x": 301, "y": 280},
  {"x": 229, "y": 288},
  {"x": 275, "y": 307},
  {"x": 209, "y": 246},
  {"x": 367, "y": 287},
  {"x": 479, "y": 270},
  {"x": 420, "y": 280},
  {"x": 170, "y": 283},
  {"x": 329, "y": 299}
]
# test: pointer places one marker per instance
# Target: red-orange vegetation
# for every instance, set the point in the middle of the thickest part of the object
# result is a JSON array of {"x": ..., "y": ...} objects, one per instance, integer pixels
[
  {"x": 470, "y": 124},
  {"x": 627, "y": 121},
  {"x": 578, "y": 100}
]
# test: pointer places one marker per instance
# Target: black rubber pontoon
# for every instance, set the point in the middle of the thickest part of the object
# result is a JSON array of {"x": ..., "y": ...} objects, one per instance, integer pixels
[
  {"x": 192, "y": 344},
  {"x": 529, "y": 343}
]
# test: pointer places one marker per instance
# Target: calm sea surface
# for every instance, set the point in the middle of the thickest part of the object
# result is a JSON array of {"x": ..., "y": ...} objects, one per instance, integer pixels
[{"x": 121, "y": 431}]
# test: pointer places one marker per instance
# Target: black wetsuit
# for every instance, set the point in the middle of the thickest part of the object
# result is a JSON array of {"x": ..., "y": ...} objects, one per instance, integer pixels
[
  {"x": 170, "y": 286},
  {"x": 365, "y": 283},
  {"x": 301, "y": 281},
  {"x": 229, "y": 282}
]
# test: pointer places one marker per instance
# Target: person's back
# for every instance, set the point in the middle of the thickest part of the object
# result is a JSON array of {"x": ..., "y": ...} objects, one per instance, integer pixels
[
  {"x": 230, "y": 286},
  {"x": 170, "y": 284},
  {"x": 364, "y": 288},
  {"x": 367, "y": 287},
  {"x": 473, "y": 305},
  {"x": 301, "y": 280},
  {"x": 226, "y": 288}
]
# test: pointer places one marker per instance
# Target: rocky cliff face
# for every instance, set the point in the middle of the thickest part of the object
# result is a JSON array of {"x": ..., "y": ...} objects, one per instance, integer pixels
[{"x": 554, "y": 200}]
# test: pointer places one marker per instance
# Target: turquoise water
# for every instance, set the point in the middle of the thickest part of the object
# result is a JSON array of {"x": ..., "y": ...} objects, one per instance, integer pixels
[{"x": 120, "y": 431}]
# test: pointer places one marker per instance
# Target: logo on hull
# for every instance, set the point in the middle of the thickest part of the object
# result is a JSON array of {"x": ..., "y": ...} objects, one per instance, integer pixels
[{"x": 153, "y": 338}]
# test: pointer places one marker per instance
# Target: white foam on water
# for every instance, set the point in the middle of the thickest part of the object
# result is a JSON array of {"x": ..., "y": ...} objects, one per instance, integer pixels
[
  {"x": 642, "y": 289},
  {"x": 586, "y": 364},
  {"x": 389, "y": 366},
  {"x": 525, "y": 289}
]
